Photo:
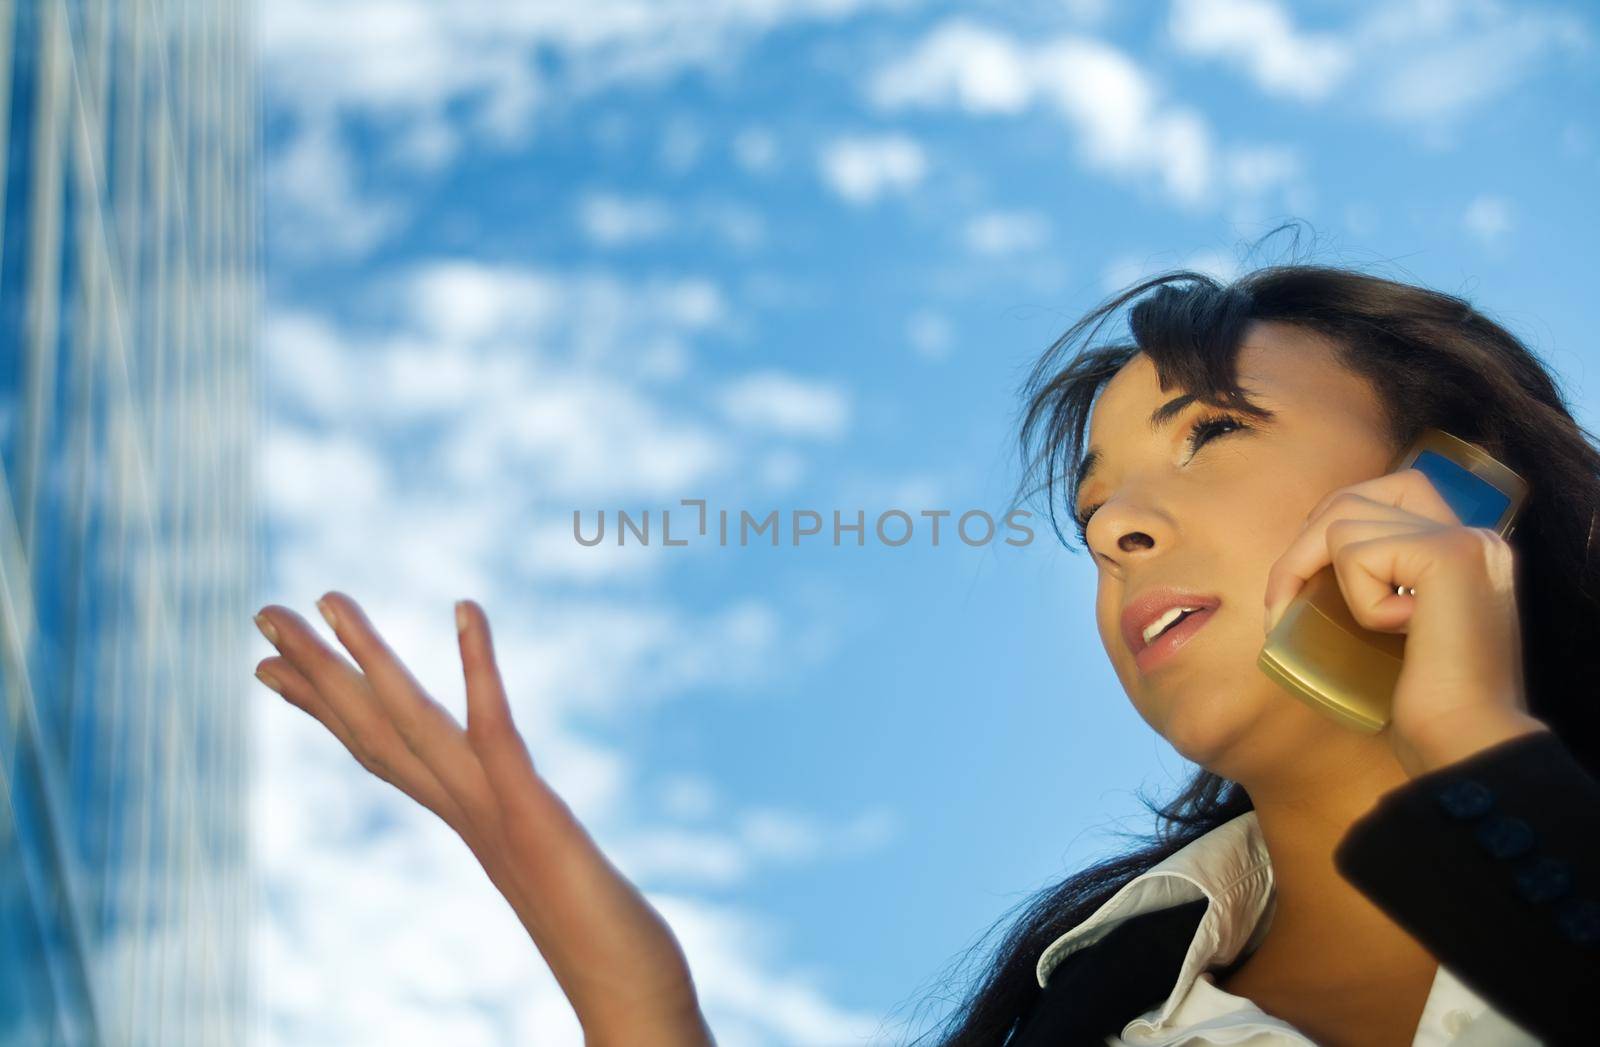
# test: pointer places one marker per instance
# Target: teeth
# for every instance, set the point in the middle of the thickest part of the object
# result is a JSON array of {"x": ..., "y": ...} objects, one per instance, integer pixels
[{"x": 1158, "y": 626}]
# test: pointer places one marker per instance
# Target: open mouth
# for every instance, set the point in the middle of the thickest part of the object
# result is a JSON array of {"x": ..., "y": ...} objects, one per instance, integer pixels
[{"x": 1173, "y": 638}]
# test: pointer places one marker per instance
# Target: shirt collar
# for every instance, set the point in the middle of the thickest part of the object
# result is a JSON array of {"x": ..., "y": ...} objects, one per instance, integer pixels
[{"x": 1228, "y": 866}]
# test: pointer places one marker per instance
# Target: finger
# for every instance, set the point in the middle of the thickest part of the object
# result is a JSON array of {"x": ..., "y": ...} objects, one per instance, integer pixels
[
  {"x": 398, "y": 767},
  {"x": 339, "y": 684},
  {"x": 1365, "y": 567},
  {"x": 1404, "y": 495},
  {"x": 425, "y": 727},
  {"x": 525, "y": 805},
  {"x": 490, "y": 728},
  {"x": 1312, "y": 549},
  {"x": 347, "y": 695},
  {"x": 285, "y": 680},
  {"x": 1408, "y": 489},
  {"x": 407, "y": 773}
]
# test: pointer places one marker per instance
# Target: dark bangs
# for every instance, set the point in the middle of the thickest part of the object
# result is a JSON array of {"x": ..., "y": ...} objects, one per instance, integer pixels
[{"x": 1191, "y": 327}]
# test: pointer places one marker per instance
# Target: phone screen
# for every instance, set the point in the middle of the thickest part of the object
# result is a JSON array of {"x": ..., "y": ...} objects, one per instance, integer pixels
[{"x": 1476, "y": 501}]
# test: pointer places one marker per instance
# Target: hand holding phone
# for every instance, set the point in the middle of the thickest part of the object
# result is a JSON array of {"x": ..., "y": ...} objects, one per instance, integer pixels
[{"x": 1319, "y": 653}]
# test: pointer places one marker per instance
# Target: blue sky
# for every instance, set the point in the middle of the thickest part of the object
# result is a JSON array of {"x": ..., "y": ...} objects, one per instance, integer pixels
[{"x": 524, "y": 259}]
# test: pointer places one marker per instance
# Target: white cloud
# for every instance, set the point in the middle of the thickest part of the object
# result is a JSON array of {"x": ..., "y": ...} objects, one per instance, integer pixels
[
  {"x": 756, "y": 150},
  {"x": 1007, "y": 232},
  {"x": 610, "y": 220},
  {"x": 688, "y": 796},
  {"x": 1435, "y": 61},
  {"x": 1255, "y": 169},
  {"x": 1422, "y": 62},
  {"x": 426, "y": 79},
  {"x": 315, "y": 205},
  {"x": 302, "y": 465},
  {"x": 458, "y": 967},
  {"x": 748, "y": 998},
  {"x": 1127, "y": 269},
  {"x": 782, "y": 470},
  {"x": 681, "y": 144},
  {"x": 548, "y": 427},
  {"x": 771, "y": 401},
  {"x": 740, "y": 226},
  {"x": 684, "y": 856},
  {"x": 428, "y": 143},
  {"x": 721, "y": 858},
  {"x": 592, "y": 316},
  {"x": 609, "y": 657},
  {"x": 1122, "y": 124},
  {"x": 466, "y": 302},
  {"x": 521, "y": 362},
  {"x": 549, "y": 552},
  {"x": 918, "y": 490},
  {"x": 342, "y": 855},
  {"x": 930, "y": 334},
  {"x": 961, "y": 64},
  {"x": 414, "y": 460},
  {"x": 1488, "y": 218},
  {"x": 613, "y": 220},
  {"x": 405, "y": 59},
  {"x": 861, "y": 168},
  {"x": 1257, "y": 174},
  {"x": 1259, "y": 36},
  {"x": 1361, "y": 218},
  {"x": 1086, "y": 12}
]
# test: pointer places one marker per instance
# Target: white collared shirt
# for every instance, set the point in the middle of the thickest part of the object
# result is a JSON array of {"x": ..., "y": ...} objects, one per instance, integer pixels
[{"x": 1230, "y": 866}]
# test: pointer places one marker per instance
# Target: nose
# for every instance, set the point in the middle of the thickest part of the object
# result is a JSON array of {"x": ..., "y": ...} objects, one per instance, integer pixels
[
  {"x": 1133, "y": 526},
  {"x": 1134, "y": 540}
]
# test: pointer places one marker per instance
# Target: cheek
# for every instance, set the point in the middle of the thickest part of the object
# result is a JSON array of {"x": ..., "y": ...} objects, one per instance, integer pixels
[
  {"x": 1108, "y": 618},
  {"x": 1265, "y": 517},
  {"x": 1117, "y": 653}
]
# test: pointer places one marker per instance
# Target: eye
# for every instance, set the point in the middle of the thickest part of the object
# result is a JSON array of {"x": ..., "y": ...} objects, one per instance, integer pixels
[{"x": 1200, "y": 433}]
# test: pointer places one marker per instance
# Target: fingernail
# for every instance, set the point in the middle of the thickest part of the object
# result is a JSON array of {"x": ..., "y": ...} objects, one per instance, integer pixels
[
  {"x": 1272, "y": 616},
  {"x": 461, "y": 616},
  {"x": 327, "y": 613},
  {"x": 267, "y": 678},
  {"x": 265, "y": 625}
]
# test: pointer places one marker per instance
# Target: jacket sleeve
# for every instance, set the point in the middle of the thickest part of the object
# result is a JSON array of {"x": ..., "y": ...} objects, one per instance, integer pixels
[{"x": 1493, "y": 863}]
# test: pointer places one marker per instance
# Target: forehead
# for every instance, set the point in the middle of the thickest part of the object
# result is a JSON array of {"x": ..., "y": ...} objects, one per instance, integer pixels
[{"x": 1276, "y": 362}]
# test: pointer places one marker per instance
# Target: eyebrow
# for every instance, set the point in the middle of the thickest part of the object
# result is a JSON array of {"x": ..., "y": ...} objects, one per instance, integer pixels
[{"x": 1160, "y": 417}]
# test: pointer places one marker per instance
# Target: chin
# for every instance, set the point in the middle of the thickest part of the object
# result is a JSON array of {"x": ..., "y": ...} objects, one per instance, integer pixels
[{"x": 1205, "y": 725}]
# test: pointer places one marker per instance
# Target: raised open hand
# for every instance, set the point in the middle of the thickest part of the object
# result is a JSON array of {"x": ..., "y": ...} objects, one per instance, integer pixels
[{"x": 612, "y": 953}]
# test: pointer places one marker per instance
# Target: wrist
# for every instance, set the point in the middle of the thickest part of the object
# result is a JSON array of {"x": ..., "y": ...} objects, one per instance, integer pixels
[
  {"x": 1456, "y": 741},
  {"x": 685, "y": 1027}
]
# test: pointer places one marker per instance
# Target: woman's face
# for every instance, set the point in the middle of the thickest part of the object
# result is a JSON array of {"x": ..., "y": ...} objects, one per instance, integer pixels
[{"x": 1211, "y": 514}]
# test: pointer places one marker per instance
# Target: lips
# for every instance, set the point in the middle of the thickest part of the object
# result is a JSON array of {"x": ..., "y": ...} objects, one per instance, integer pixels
[
  {"x": 1151, "y": 604},
  {"x": 1167, "y": 645}
]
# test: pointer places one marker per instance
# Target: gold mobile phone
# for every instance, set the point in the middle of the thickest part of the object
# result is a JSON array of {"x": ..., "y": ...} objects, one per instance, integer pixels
[{"x": 1319, "y": 653}]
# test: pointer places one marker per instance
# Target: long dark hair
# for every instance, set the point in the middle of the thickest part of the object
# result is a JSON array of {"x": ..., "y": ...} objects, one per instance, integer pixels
[{"x": 1434, "y": 360}]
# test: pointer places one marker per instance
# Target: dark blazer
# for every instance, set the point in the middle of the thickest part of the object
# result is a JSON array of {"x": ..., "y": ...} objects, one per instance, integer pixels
[{"x": 1491, "y": 862}]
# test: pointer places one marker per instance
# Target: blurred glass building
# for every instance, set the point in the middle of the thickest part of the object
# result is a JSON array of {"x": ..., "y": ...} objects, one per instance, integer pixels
[{"x": 129, "y": 245}]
